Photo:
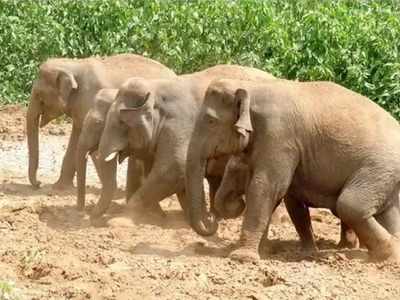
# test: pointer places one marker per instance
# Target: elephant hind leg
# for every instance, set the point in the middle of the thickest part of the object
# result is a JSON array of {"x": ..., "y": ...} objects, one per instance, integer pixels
[
  {"x": 348, "y": 238},
  {"x": 300, "y": 216},
  {"x": 390, "y": 219},
  {"x": 356, "y": 206}
]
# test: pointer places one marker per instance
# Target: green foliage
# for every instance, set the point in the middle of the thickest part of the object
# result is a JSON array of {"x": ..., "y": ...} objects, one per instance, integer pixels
[
  {"x": 353, "y": 42},
  {"x": 8, "y": 291}
]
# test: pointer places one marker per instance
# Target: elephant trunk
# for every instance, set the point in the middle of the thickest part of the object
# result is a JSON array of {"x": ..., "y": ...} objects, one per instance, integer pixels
[
  {"x": 108, "y": 177},
  {"x": 202, "y": 221},
  {"x": 32, "y": 123},
  {"x": 81, "y": 163}
]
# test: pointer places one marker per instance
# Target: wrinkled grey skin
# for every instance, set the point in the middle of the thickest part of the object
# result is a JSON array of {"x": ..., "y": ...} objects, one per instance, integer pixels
[
  {"x": 155, "y": 119},
  {"x": 68, "y": 86},
  {"x": 312, "y": 142},
  {"x": 229, "y": 203},
  {"x": 89, "y": 139}
]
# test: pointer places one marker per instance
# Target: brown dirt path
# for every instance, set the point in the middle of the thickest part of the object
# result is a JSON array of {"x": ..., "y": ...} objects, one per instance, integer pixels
[{"x": 48, "y": 250}]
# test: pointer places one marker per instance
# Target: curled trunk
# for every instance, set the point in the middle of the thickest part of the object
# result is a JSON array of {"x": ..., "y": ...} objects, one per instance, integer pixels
[
  {"x": 202, "y": 221},
  {"x": 32, "y": 123}
]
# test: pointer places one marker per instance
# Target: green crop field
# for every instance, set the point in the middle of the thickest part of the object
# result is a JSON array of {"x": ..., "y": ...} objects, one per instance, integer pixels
[{"x": 354, "y": 43}]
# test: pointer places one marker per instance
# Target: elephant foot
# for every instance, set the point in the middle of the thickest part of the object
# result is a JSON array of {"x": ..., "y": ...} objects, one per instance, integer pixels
[
  {"x": 309, "y": 248},
  {"x": 348, "y": 239},
  {"x": 155, "y": 211},
  {"x": 152, "y": 210},
  {"x": 97, "y": 212},
  {"x": 80, "y": 207},
  {"x": 388, "y": 250},
  {"x": 245, "y": 255},
  {"x": 62, "y": 185},
  {"x": 36, "y": 185},
  {"x": 348, "y": 244}
]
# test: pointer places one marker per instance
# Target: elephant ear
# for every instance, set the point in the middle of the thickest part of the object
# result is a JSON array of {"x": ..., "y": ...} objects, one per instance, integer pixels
[
  {"x": 62, "y": 80},
  {"x": 130, "y": 115},
  {"x": 66, "y": 83},
  {"x": 243, "y": 123}
]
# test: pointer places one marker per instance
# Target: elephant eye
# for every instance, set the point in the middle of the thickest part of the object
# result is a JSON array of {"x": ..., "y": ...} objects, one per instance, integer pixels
[{"x": 211, "y": 120}]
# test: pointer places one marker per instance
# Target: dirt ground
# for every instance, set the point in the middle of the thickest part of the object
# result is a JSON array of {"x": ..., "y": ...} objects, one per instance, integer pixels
[{"x": 49, "y": 250}]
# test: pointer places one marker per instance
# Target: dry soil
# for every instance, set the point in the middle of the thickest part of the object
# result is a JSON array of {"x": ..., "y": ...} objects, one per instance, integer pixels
[{"x": 49, "y": 250}]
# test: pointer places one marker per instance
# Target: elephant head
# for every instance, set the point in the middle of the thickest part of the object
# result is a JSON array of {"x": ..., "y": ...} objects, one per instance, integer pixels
[
  {"x": 223, "y": 126},
  {"x": 229, "y": 199},
  {"x": 92, "y": 129},
  {"x": 50, "y": 94},
  {"x": 130, "y": 121}
]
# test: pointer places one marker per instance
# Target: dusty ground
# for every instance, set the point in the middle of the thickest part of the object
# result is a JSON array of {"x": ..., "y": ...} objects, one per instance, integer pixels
[{"x": 48, "y": 250}]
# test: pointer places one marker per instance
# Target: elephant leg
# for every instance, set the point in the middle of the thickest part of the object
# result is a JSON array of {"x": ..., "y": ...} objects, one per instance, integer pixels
[
  {"x": 134, "y": 176},
  {"x": 357, "y": 206},
  {"x": 268, "y": 184},
  {"x": 390, "y": 219},
  {"x": 96, "y": 165},
  {"x": 158, "y": 185},
  {"x": 300, "y": 215},
  {"x": 68, "y": 165},
  {"x": 348, "y": 238}
]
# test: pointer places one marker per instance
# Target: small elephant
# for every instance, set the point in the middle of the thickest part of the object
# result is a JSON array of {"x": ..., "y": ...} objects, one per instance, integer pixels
[
  {"x": 229, "y": 203},
  {"x": 88, "y": 142},
  {"x": 155, "y": 118},
  {"x": 68, "y": 86},
  {"x": 302, "y": 140}
]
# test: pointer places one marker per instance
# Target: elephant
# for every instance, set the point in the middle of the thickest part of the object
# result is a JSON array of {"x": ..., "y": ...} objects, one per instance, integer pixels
[
  {"x": 88, "y": 142},
  {"x": 229, "y": 203},
  {"x": 154, "y": 118},
  {"x": 68, "y": 86},
  {"x": 305, "y": 140}
]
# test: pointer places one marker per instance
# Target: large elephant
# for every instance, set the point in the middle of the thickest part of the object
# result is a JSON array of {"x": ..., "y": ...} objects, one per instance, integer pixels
[
  {"x": 305, "y": 140},
  {"x": 230, "y": 203},
  {"x": 68, "y": 86},
  {"x": 155, "y": 119}
]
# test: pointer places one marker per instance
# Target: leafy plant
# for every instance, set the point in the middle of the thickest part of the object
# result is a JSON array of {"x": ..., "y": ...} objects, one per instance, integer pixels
[
  {"x": 354, "y": 43},
  {"x": 8, "y": 291}
]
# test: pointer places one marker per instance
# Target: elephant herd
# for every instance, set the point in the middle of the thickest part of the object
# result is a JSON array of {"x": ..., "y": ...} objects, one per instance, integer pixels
[{"x": 255, "y": 138}]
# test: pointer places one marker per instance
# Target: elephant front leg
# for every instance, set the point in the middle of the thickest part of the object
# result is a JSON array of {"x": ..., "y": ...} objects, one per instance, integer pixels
[
  {"x": 157, "y": 186},
  {"x": 260, "y": 206},
  {"x": 269, "y": 183},
  {"x": 68, "y": 165}
]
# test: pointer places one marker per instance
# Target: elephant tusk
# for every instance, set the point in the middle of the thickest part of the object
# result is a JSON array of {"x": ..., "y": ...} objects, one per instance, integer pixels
[{"x": 111, "y": 156}]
